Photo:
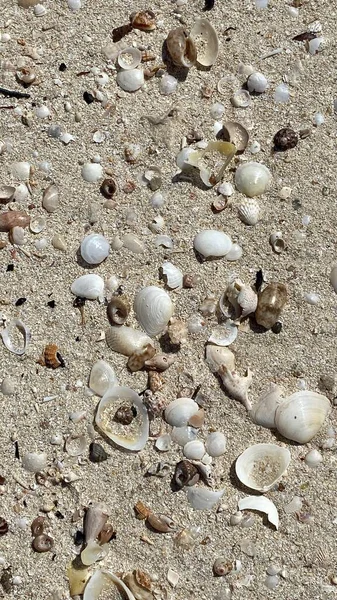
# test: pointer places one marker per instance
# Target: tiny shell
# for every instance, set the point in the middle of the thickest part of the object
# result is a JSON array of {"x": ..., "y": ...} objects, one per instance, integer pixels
[
  {"x": 203, "y": 498},
  {"x": 126, "y": 340},
  {"x": 97, "y": 453},
  {"x": 132, "y": 80},
  {"x": 95, "y": 248},
  {"x": 163, "y": 443},
  {"x": 21, "y": 170},
  {"x": 276, "y": 241},
  {"x": 59, "y": 243},
  {"x": 260, "y": 466},
  {"x": 235, "y": 253},
  {"x": 185, "y": 474},
  {"x": 208, "y": 52},
  {"x": 50, "y": 199},
  {"x": 313, "y": 458},
  {"x": 212, "y": 243},
  {"x": 173, "y": 275},
  {"x": 17, "y": 236},
  {"x": 145, "y": 20},
  {"x": 89, "y": 286},
  {"x": 182, "y": 435},
  {"x": 13, "y": 218},
  {"x": 118, "y": 310},
  {"x": 159, "y": 362},
  {"x": 133, "y": 243},
  {"x": 92, "y": 172},
  {"x": 108, "y": 188},
  {"x": 51, "y": 357},
  {"x": 216, "y": 443},
  {"x": 37, "y": 224},
  {"x": 98, "y": 586},
  {"x": 153, "y": 308},
  {"x": 42, "y": 543},
  {"x": 261, "y": 504},
  {"x": 34, "y": 461},
  {"x": 93, "y": 552},
  {"x": 157, "y": 224},
  {"x": 257, "y": 83},
  {"x": 6, "y": 337},
  {"x": 241, "y": 99},
  {"x": 75, "y": 445},
  {"x": 126, "y": 54},
  {"x": 249, "y": 211},
  {"x": 6, "y": 193},
  {"x": 179, "y": 411},
  {"x": 252, "y": 179},
  {"x": 161, "y": 523},
  {"x": 235, "y": 385}
]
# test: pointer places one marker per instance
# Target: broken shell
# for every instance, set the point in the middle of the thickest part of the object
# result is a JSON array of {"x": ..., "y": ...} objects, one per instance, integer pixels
[
  {"x": 77, "y": 579},
  {"x": 51, "y": 357},
  {"x": 206, "y": 41},
  {"x": 216, "y": 443},
  {"x": 301, "y": 416},
  {"x": 186, "y": 473},
  {"x": 42, "y": 543},
  {"x": 270, "y": 304},
  {"x": 202, "y": 498},
  {"x": 161, "y": 523},
  {"x": 219, "y": 355},
  {"x": 50, "y": 199},
  {"x": 179, "y": 411},
  {"x": 108, "y": 188},
  {"x": 139, "y": 583},
  {"x": 241, "y": 99},
  {"x": 201, "y": 158},
  {"x": 249, "y": 211},
  {"x": 157, "y": 224},
  {"x": 130, "y": 81},
  {"x": 260, "y": 466},
  {"x": 102, "y": 376},
  {"x": 134, "y": 440},
  {"x": 263, "y": 413},
  {"x": 13, "y": 218},
  {"x": 126, "y": 340},
  {"x": 153, "y": 308},
  {"x": 75, "y": 445},
  {"x": 252, "y": 179},
  {"x": 224, "y": 335},
  {"x": 99, "y": 583},
  {"x": 261, "y": 504},
  {"x": 6, "y": 336},
  {"x": 94, "y": 248},
  {"x": 145, "y": 20},
  {"x": 235, "y": 133},
  {"x": 137, "y": 360},
  {"x": 93, "y": 552},
  {"x": 194, "y": 450},
  {"x": 129, "y": 58},
  {"x": 237, "y": 386},
  {"x": 211, "y": 243},
  {"x": 6, "y": 193},
  {"x": 34, "y": 462},
  {"x": 37, "y": 224},
  {"x": 177, "y": 331},
  {"x": 59, "y": 243},
  {"x": 276, "y": 241},
  {"x": 173, "y": 275},
  {"x": 142, "y": 511},
  {"x": 95, "y": 518},
  {"x": 118, "y": 310},
  {"x": 181, "y": 48},
  {"x": 159, "y": 362},
  {"x": 89, "y": 286}
]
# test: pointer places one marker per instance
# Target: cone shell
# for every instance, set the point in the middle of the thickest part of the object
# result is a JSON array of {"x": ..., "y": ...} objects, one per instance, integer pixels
[
  {"x": 94, "y": 521},
  {"x": 300, "y": 417}
]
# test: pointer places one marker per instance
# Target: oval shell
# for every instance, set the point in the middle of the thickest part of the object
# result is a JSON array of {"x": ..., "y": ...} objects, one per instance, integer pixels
[
  {"x": 212, "y": 243},
  {"x": 89, "y": 286},
  {"x": 102, "y": 376},
  {"x": 252, "y": 179},
  {"x": 181, "y": 47},
  {"x": 130, "y": 52},
  {"x": 179, "y": 411},
  {"x": 270, "y": 304},
  {"x": 194, "y": 450},
  {"x": 260, "y": 466},
  {"x": 216, "y": 443},
  {"x": 208, "y": 52},
  {"x": 173, "y": 275},
  {"x": 126, "y": 340},
  {"x": 94, "y": 248},
  {"x": 132, "y": 80},
  {"x": 50, "y": 199},
  {"x": 249, "y": 211},
  {"x": 153, "y": 308},
  {"x": 302, "y": 415}
]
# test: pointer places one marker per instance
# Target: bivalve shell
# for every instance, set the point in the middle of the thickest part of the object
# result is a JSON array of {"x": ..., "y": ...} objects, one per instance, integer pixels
[
  {"x": 249, "y": 211},
  {"x": 263, "y": 413},
  {"x": 179, "y": 411},
  {"x": 6, "y": 193},
  {"x": 252, "y": 179},
  {"x": 261, "y": 504},
  {"x": 92, "y": 172},
  {"x": 153, "y": 308},
  {"x": 173, "y": 275},
  {"x": 89, "y": 286},
  {"x": 211, "y": 243},
  {"x": 102, "y": 376},
  {"x": 216, "y": 356},
  {"x": 300, "y": 417},
  {"x": 98, "y": 586},
  {"x": 94, "y": 248},
  {"x": 131, "y": 80},
  {"x": 235, "y": 133},
  {"x": 129, "y": 58},
  {"x": 194, "y": 450},
  {"x": 260, "y": 466},
  {"x": 181, "y": 48},
  {"x": 206, "y": 40},
  {"x": 216, "y": 443}
]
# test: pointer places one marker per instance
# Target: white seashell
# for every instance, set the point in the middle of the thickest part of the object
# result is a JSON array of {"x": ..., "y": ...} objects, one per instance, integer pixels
[
  {"x": 75, "y": 445},
  {"x": 249, "y": 211},
  {"x": 241, "y": 99},
  {"x": 95, "y": 248},
  {"x": 39, "y": 10},
  {"x": 333, "y": 277},
  {"x": 92, "y": 172},
  {"x": 225, "y": 189},
  {"x": 174, "y": 277},
  {"x": 37, "y": 224},
  {"x": 235, "y": 253},
  {"x": 95, "y": 518},
  {"x": 260, "y": 466},
  {"x": 276, "y": 241},
  {"x": 313, "y": 458},
  {"x": 157, "y": 200},
  {"x": 312, "y": 298},
  {"x": 34, "y": 461},
  {"x": 50, "y": 200},
  {"x": 182, "y": 159},
  {"x": 21, "y": 170},
  {"x": 6, "y": 337},
  {"x": 133, "y": 243},
  {"x": 263, "y": 413},
  {"x": 66, "y": 138},
  {"x": 130, "y": 81},
  {"x": 100, "y": 582},
  {"x": 74, "y": 4},
  {"x": 157, "y": 224},
  {"x": 8, "y": 386},
  {"x": 42, "y": 112},
  {"x": 212, "y": 243},
  {"x": 203, "y": 498},
  {"x": 302, "y": 415},
  {"x": 102, "y": 376},
  {"x": 216, "y": 443},
  {"x": 261, "y": 504},
  {"x": 59, "y": 243},
  {"x": 208, "y": 52},
  {"x": 132, "y": 440},
  {"x": 89, "y": 286},
  {"x": 252, "y": 179},
  {"x": 179, "y": 411},
  {"x": 219, "y": 355},
  {"x": 93, "y": 552},
  {"x": 294, "y": 505},
  {"x": 281, "y": 94},
  {"x": 168, "y": 84},
  {"x": 129, "y": 58},
  {"x": 225, "y": 334},
  {"x": 126, "y": 340},
  {"x": 163, "y": 442},
  {"x": 153, "y": 308},
  {"x": 184, "y": 434},
  {"x": 314, "y": 45},
  {"x": 257, "y": 83},
  {"x": 194, "y": 450},
  {"x": 21, "y": 193},
  {"x": 41, "y": 244}
]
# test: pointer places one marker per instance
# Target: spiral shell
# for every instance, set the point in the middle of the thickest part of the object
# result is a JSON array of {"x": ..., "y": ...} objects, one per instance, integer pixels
[
  {"x": 13, "y": 218},
  {"x": 52, "y": 357},
  {"x": 118, "y": 310},
  {"x": 186, "y": 473},
  {"x": 42, "y": 543},
  {"x": 249, "y": 211},
  {"x": 181, "y": 48},
  {"x": 50, "y": 200},
  {"x": 153, "y": 308},
  {"x": 145, "y": 20}
]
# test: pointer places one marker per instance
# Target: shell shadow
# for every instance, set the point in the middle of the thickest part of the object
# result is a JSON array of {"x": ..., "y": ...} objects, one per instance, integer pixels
[
  {"x": 167, "y": 346},
  {"x": 192, "y": 176},
  {"x": 179, "y": 73}
]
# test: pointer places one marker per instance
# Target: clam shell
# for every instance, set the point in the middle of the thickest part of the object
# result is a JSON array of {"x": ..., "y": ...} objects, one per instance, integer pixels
[
  {"x": 102, "y": 376},
  {"x": 302, "y": 415},
  {"x": 6, "y": 336},
  {"x": 219, "y": 355},
  {"x": 93, "y": 552},
  {"x": 37, "y": 224},
  {"x": 261, "y": 504},
  {"x": 249, "y": 211},
  {"x": 235, "y": 133},
  {"x": 153, "y": 308},
  {"x": 252, "y": 179},
  {"x": 34, "y": 461},
  {"x": 89, "y": 286},
  {"x": 136, "y": 58},
  {"x": 134, "y": 440},
  {"x": 225, "y": 334},
  {"x": 131, "y": 81},
  {"x": 98, "y": 586},
  {"x": 6, "y": 193},
  {"x": 216, "y": 443},
  {"x": 173, "y": 275},
  {"x": 50, "y": 199},
  {"x": 126, "y": 340},
  {"x": 194, "y": 450},
  {"x": 179, "y": 411},
  {"x": 203, "y": 498},
  {"x": 211, "y": 243},
  {"x": 181, "y": 48},
  {"x": 263, "y": 413},
  {"x": 260, "y": 466},
  {"x": 95, "y": 248},
  {"x": 204, "y": 31}
]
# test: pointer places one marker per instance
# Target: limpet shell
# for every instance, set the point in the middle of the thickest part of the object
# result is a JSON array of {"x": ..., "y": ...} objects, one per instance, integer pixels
[
  {"x": 153, "y": 308},
  {"x": 260, "y": 466},
  {"x": 206, "y": 40}
]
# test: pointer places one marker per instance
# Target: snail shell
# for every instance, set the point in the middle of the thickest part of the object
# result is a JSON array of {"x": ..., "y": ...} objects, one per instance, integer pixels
[
  {"x": 13, "y": 218},
  {"x": 52, "y": 357},
  {"x": 118, "y": 310},
  {"x": 145, "y": 20},
  {"x": 42, "y": 543},
  {"x": 153, "y": 308},
  {"x": 186, "y": 473},
  {"x": 6, "y": 193},
  {"x": 161, "y": 523},
  {"x": 108, "y": 188},
  {"x": 222, "y": 567},
  {"x": 126, "y": 340},
  {"x": 270, "y": 304},
  {"x": 37, "y": 526},
  {"x": 50, "y": 200},
  {"x": 181, "y": 48},
  {"x": 97, "y": 453}
]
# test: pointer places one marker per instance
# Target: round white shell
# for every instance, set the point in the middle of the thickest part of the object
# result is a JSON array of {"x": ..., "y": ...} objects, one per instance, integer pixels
[
  {"x": 203, "y": 29},
  {"x": 184, "y": 434},
  {"x": 34, "y": 461},
  {"x": 130, "y": 81},
  {"x": 134, "y": 53},
  {"x": 212, "y": 243},
  {"x": 235, "y": 252},
  {"x": 90, "y": 286},
  {"x": 257, "y": 82},
  {"x": 313, "y": 458},
  {"x": 216, "y": 443},
  {"x": 179, "y": 411},
  {"x": 92, "y": 172},
  {"x": 252, "y": 179},
  {"x": 194, "y": 450},
  {"x": 302, "y": 415},
  {"x": 102, "y": 376},
  {"x": 262, "y": 465},
  {"x": 249, "y": 211},
  {"x": 126, "y": 340},
  {"x": 94, "y": 248},
  {"x": 174, "y": 276},
  {"x": 153, "y": 308},
  {"x": 100, "y": 582},
  {"x": 21, "y": 170}
]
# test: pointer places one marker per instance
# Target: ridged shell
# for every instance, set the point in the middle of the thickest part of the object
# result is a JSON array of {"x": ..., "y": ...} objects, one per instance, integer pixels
[
  {"x": 260, "y": 466},
  {"x": 302, "y": 415},
  {"x": 249, "y": 211},
  {"x": 252, "y": 179},
  {"x": 263, "y": 413},
  {"x": 207, "y": 54},
  {"x": 153, "y": 308},
  {"x": 102, "y": 376},
  {"x": 179, "y": 411},
  {"x": 89, "y": 286},
  {"x": 95, "y": 248},
  {"x": 13, "y": 218},
  {"x": 212, "y": 243},
  {"x": 174, "y": 276},
  {"x": 126, "y": 340}
]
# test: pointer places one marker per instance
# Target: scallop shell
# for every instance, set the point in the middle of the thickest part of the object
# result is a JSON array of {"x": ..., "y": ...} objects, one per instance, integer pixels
[
  {"x": 219, "y": 355},
  {"x": 174, "y": 277},
  {"x": 203, "y": 498},
  {"x": 13, "y": 218},
  {"x": 50, "y": 199},
  {"x": 252, "y": 179},
  {"x": 89, "y": 286},
  {"x": 211, "y": 243},
  {"x": 126, "y": 340},
  {"x": 261, "y": 504},
  {"x": 102, "y": 376},
  {"x": 98, "y": 586},
  {"x": 302, "y": 415},
  {"x": 133, "y": 440},
  {"x": 249, "y": 211},
  {"x": 95, "y": 248},
  {"x": 181, "y": 48},
  {"x": 260, "y": 466},
  {"x": 179, "y": 411},
  {"x": 203, "y": 31},
  {"x": 153, "y": 308},
  {"x": 136, "y": 58}
]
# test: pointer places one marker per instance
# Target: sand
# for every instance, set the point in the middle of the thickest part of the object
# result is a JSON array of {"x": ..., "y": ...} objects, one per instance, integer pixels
[{"x": 299, "y": 355}]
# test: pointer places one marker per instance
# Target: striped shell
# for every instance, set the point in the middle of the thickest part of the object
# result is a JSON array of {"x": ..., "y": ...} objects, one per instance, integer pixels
[{"x": 249, "y": 211}]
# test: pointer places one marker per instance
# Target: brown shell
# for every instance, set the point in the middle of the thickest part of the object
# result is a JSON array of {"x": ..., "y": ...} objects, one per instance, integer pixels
[
  {"x": 161, "y": 523},
  {"x": 145, "y": 20},
  {"x": 106, "y": 533},
  {"x": 137, "y": 361},
  {"x": 159, "y": 362},
  {"x": 181, "y": 47},
  {"x": 108, "y": 188},
  {"x": 147, "y": 55},
  {"x": 142, "y": 511},
  {"x": 118, "y": 310},
  {"x": 3, "y": 526},
  {"x": 124, "y": 414},
  {"x": 142, "y": 579},
  {"x": 42, "y": 543},
  {"x": 155, "y": 381},
  {"x": 52, "y": 357},
  {"x": 186, "y": 473},
  {"x": 37, "y": 526},
  {"x": 13, "y": 218},
  {"x": 270, "y": 304}
]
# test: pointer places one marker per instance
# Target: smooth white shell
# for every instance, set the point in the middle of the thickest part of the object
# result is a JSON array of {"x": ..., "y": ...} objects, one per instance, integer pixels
[
  {"x": 153, "y": 308},
  {"x": 131, "y": 80},
  {"x": 34, "y": 461},
  {"x": 260, "y": 466},
  {"x": 113, "y": 396},
  {"x": 257, "y": 82},
  {"x": 212, "y": 243},
  {"x": 225, "y": 334},
  {"x": 98, "y": 586},
  {"x": 184, "y": 434},
  {"x": 252, "y": 179},
  {"x": 313, "y": 458},
  {"x": 203, "y": 498},
  {"x": 21, "y": 170},
  {"x": 89, "y": 286},
  {"x": 126, "y": 340},
  {"x": 163, "y": 443},
  {"x": 302, "y": 415},
  {"x": 102, "y": 376},
  {"x": 168, "y": 84},
  {"x": 261, "y": 504},
  {"x": 174, "y": 276},
  {"x": 216, "y": 443},
  {"x": 263, "y": 412},
  {"x": 219, "y": 355},
  {"x": 94, "y": 248},
  {"x": 92, "y": 172},
  {"x": 179, "y": 411},
  {"x": 203, "y": 29},
  {"x": 235, "y": 253},
  {"x": 194, "y": 450}
]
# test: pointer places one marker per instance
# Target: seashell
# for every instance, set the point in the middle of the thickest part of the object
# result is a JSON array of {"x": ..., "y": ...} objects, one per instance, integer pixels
[
  {"x": 294, "y": 505},
  {"x": 58, "y": 242},
  {"x": 8, "y": 386},
  {"x": 211, "y": 243},
  {"x": 252, "y": 179},
  {"x": 181, "y": 48},
  {"x": 257, "y": 83},
  {"x": 159, "y": 362},
  {"x": 235, "y": 253},
  {"x": 17, "y": 236},
  {"x": 139, "y": 583},
  {"x": 300, "y": 417},
  {"x": 13, "y": 218},
  {"x": 97, "y": 453},
  {"x": 125, "y": 414},
  {"x": 216, "y": 443},
  {"x": 77, "y": 577},
  {"x": 138, "y": 359},
  {"x": 285, "y": 139},
  {"x": 179, "y": 411},
  {"x": 108, "y": 188},
  {"x": 6, "y": 337},
  {"x": 161, "y": 523},
  {"x": 37, "y": 224},
  {"x": 93, "y": 552},
  {"x": 263, "y": 413},
  {"x": 34, "y": 462},
  {"x": 100, "y": 582},
  {"x": 270, "y": 304},
  {"x": 21, "y": 170},
  {"x": 3, "y": 526},
  {"x": 102, "y": 376},
  {"x": 173, "y": 275},
  {"x": 155, "y": 381},
  {"x": 21, "y": 193},
  {"x": 6, "y": 193},
  {"x": 313, "y": 458},
  {"x": 118, "y": 310},
  {"x": 157, "y": 224},
  {"x": 94, "y": 249},
  {"x": 92, "y": 172},
  {"x": 163, "y": 240},
  {"x": 95, "y": 518},
  {"x": 276, "y": 241},
  {"x": 333, "y": 276},
  {"x": 42, "y": 543},
  {"x": 249, "y": 211},
  {"x": 216, "y": 356},
  {"x": 37, "y": 526},
  {"x": 130, "y": 81},
  {"x": 89, "y": 286},
  {"x": 145, "y": 20},
  {"x": 181, "y": 435},
  {"x": 126, "y": 340},
  {"x": 261, "y": 504},
  {"x": 168, "y": 84},
  {"x": 202, "y": 498},
  {"x": 206, "y": 40},
  {"x": 51, "y": 357},
  {"x": 153, "y": 308},
  {"x": 137, "y": 437},
  {"x": 75, "y": 445},
  {"x": 224, "y": 335},
  {"x": 194, "y": 450},
  {"x": 201, "y": 158},
  {"x": 50, "y": 198},
  {"x": 260, "y": 466},
  {"x": 163, "y": 442},
  {"x": 236, "y": 134},
  {"x": 133, "y": 243},
  {"x": 186, "y": 473},
  {"x": 129, "y": 58},
  {"x": 222, "y": 567},
  {"x": 142, "y": 511},
  {"x": 177, "y": 331},
  {"x": 235, "y": 385},
  {"x": 241, "y": 99}
]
